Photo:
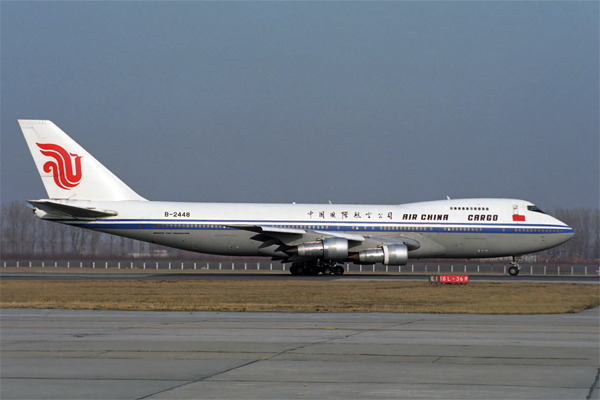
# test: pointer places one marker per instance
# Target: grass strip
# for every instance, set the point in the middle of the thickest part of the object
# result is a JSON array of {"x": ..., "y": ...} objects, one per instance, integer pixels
[{"x": 300, "y": 296}]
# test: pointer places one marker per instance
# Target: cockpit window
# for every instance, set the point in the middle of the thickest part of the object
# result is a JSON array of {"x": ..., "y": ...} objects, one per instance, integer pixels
[{"x": 535, "y": 209}]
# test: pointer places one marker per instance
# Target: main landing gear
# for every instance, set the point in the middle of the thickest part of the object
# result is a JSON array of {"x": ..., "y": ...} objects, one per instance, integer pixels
[
  {"x": 514, "y": 268},
  {"x": 316, "y": 267}
]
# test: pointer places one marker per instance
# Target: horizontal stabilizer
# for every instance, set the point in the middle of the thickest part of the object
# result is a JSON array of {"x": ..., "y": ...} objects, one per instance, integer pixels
[{"x": 72, "y": 211}]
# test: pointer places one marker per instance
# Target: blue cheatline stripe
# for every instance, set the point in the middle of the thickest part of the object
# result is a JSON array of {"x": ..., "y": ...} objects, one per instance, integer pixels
[
  {"x": 312, "y": 223},
  {"x": 326, "y": 226}
]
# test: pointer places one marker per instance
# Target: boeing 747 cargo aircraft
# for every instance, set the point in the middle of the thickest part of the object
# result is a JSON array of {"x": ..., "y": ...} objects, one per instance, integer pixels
[{"x": 313, "y": 237}]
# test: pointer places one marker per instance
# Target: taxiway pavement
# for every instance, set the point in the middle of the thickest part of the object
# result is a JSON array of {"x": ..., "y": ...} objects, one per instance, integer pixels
[{"x": 61, "y": 354}]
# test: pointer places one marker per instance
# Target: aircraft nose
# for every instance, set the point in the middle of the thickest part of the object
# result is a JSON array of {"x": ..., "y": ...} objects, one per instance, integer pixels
[
  {"x": 570, "y": 234},
  {"x": 567, "y": 233}
]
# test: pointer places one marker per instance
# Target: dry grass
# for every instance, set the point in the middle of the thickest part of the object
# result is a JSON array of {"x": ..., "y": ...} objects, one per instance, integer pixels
[{"x": 301, "y": 296}]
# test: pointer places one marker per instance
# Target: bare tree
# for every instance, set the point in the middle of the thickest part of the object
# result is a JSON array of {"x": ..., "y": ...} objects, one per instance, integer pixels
[
  {"x": 12, "y": 224},
  {"x": 17, "y": 220},
  {"x": 595, "y": 235},
  {"x": 53, "y": 237},
  {"x": 76, "y": 239},
  {"x": 3, "y": 232},
  {"x": 25, "y": 235},
  {"x": 111, "y": 239},
  {"x": 141, "y": 248},
  {"x": 130, "y": 246},
  {"x": 585, "y": 244},
  {"x": 95, "y": 238},
  {"x": 9, "y": 230},
  {"x": 38, "y": 236},
  {"x": 62, "y": 231}
]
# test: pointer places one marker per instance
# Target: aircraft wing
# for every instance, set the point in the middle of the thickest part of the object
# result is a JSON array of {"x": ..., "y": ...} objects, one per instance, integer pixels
[
  {"x": 295, "y": 236},
  {"x": 285, "y": 238}
]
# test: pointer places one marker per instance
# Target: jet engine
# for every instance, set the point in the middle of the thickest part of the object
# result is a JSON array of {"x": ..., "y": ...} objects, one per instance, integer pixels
[
  {"x": 394, "y": 254},
  {"x": 328, "y": 249}
]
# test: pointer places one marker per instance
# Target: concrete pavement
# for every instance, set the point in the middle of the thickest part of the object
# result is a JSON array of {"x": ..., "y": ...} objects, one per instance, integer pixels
[{"x": 56, "y": 354}]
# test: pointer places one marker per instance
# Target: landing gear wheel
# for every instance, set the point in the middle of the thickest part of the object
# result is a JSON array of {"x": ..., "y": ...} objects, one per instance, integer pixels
[
  {"x": 293, "y": 270},
  {"x": 338, "y": 270},
  {"x": 300, "y": 269},
  {"x": 514, "y": 268},
  {"x": 327, "y": 270},
  {"x": 312, "y": 268}
]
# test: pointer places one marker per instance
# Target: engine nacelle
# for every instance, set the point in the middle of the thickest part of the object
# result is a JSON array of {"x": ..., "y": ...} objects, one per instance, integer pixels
[
  {"x": 394, "y": 254},
  {"x": 309, "y": 249},
  {"x": 372, "y": 256},
  {"x": 335, "y": 249},
  {"x": 328, "y": 249}
]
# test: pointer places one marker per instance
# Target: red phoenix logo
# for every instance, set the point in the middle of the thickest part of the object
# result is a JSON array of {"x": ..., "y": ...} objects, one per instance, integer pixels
[{"x": 65, "y": 167}]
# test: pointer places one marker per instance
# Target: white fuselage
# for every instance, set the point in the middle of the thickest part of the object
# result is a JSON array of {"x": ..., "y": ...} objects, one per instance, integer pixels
[{"x": 458, "y": 228}]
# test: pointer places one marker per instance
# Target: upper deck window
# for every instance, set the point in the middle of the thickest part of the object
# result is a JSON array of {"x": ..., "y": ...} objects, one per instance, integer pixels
[{"x": 534, "y": 209}]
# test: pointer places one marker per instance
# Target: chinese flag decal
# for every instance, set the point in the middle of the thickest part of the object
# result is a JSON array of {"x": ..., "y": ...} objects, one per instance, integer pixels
[{"x": 519, "y": 218}]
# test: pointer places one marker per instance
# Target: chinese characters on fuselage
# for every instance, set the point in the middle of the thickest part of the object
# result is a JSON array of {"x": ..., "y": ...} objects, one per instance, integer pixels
[{"x": 357, "y": 215}]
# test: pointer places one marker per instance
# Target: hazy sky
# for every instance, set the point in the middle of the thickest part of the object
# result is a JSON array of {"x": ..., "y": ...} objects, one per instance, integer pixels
[{"x": 353, "y": 102}]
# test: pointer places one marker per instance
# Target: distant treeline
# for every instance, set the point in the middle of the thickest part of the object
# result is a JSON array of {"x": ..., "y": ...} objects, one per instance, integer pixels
[{"x": 26, "y": 236}]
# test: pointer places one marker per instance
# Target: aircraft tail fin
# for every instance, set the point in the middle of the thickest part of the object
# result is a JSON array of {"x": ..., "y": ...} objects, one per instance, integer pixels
[{"x": 67, "y": 170}]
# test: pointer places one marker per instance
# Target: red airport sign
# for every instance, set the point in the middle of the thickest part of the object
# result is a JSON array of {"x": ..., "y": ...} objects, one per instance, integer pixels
[{"x": 449, "y": 279}]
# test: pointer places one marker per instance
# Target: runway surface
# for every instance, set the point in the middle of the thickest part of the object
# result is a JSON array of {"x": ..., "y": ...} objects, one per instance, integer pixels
[
  {"x": 51, "y": 275},
  {"x": 59, "y": 354}
]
